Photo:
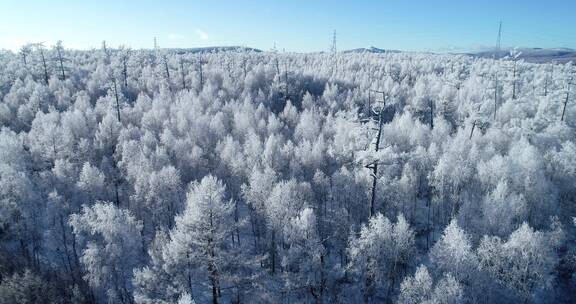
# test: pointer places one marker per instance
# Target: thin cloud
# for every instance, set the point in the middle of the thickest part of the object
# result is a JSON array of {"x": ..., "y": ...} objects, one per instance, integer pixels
[
  {"x": 202, "y": 34},
  {"x": 174, "y": 36}
]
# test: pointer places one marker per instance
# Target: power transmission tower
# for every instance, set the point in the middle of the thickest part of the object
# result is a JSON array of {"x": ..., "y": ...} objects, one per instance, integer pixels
[{"x": 333, "y": 49}]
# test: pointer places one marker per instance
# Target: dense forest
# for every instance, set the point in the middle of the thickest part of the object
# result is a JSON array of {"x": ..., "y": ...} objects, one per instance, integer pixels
[{"x": 166, "y": 176}]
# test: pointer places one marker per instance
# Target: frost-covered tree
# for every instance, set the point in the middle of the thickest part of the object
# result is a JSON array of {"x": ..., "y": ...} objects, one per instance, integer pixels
[
  {"x": 503, "y": 211},
  {"x": 152, "y": 283},
  {"x": 419, "y": 289},
  {"x": 91, "y": 183},
  {"x": 416, "y": 289},
  {"x": 304, "y": 259},
  {"x": 20, "y": 206},
  {"x": 380, "y": 253},
  {"x": 28, "y": 287},
  {"x": 525, "y": 262},
  {"x": 198, "y": 246},
  {"x": 286, "y": 201},
  {"x": 111, "y": 248},
  {"x": 453, "y": 253},
  {"x": 256, "y": 194}
]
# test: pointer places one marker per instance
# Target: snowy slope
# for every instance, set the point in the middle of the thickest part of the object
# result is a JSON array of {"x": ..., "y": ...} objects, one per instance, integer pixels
[{"x": 537, "y": 55}]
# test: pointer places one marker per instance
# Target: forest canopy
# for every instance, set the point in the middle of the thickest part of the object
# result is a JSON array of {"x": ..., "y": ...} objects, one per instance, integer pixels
[{"x": 163, "y": 176}]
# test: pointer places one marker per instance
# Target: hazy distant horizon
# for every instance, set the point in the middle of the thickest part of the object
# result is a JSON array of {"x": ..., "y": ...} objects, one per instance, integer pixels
[{"x": 479, "y": 49}]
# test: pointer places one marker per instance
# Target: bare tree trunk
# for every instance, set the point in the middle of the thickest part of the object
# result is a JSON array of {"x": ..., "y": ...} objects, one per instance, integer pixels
[
  {"x": 125, "y": 71},
  {"x": 46, "y": 78},
  {"x": 189, "y": 274},
  {"x": 374, "y": 180},
  {"x": 213, "y": 270},
  {"x": 245, "y": 67},
  {"x": 495, "y": 95},
  {"x": 182, "y": 73},
  {"x": 566, "y": 100},
  {"x": 201, "y": 62},
  {"x": 277, "y": 67},
  {"x": 116, "y": 184},
  {"x": 472, "y": 131},
  {"x": 255, "y": 234},
  {"x": 375, "y": 165},
  {"x": 273, "y": 250},
  {"x": 66, "y": 251},
  {"x": 214, "y": 291},
  {"x": 286, "y": 81},
  {"x": 547, "y": 81},
  {"x": 59, "y": 50},
  {"x": 117, "y": 99},
  {"x": 322, "y": 279},
  {"x": 236, "y": 218},
  {"x": 105, "y": 49},
  {"x": 564, "y": 108},
  {"x": 429, "y": 225},
  {"x": 514, "y": 81},
  {"x": 431, "y": 114},
  {"x": 166, "y": 70},
  {"x": 369, "y": 103}
]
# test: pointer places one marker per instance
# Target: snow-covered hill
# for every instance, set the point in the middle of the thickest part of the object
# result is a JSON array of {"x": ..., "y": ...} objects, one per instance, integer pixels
[
  {"x": 216, "y": 49},
  {"x": 371, "y": 49},
  {"x": 536, "y": 55}
]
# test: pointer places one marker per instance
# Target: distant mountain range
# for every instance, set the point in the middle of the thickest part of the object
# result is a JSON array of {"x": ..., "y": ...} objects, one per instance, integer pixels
[
  {"x": 536, "y": 55},
  {"x": 216, "y": 49},
  {"x": 371, "y": 49}
]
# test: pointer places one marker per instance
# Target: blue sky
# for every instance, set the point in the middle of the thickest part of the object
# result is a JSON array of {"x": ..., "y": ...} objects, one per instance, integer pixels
[{"x": 294, "y": 25}]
